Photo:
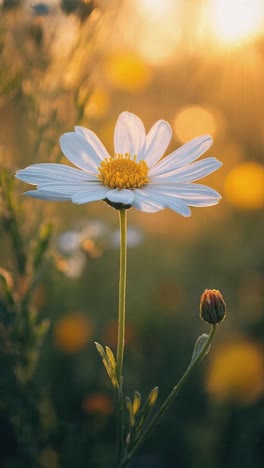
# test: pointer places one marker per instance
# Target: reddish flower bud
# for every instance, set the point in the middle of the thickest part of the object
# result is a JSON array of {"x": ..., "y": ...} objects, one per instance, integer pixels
[{"x": 212, "y": 306}]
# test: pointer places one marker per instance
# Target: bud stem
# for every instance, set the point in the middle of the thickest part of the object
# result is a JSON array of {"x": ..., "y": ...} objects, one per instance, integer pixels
[{"x": 167, "y": 403}]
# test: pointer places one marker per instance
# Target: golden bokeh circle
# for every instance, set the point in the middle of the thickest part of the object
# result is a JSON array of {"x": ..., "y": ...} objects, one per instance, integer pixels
[
  {"x": 193, "y": 121},
  {"x": 128, "y": 72},
  {"x": 236, "y": 372},
  {"x": 244, "y": 186},
  {"x": 73, "y": 332}
]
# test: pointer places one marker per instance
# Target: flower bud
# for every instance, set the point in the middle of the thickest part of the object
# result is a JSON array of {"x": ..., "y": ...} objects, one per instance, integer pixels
[{"x": 212, "y": 306}]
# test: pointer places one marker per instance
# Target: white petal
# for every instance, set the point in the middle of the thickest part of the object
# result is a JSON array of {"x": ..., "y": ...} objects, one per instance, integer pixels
[
  {"x": 183, "y": 155},
  {"x": 178, "y": 198},
  {"x": 178, "y": 205},
  {"x": 99, "y": 193},
  {"x": 70, "y": 189},
  {"x": 129, "y": 136},
  {"x": 120, "y": 196},
  {"x": 190, "y": 173},
  {"x": 157, "y": 141},
  {"x": 168, "y": 201},
  {"x": 202, "y": 202},
  {"x": 185, "y": 191},
  {"x": 80, "y": 152},
  {"x": 93, "y": 140},
  {"x": 145, "y": 203},
  {"x": 48, "y": 172},
  {"x": 45, "y": 195},
  {"x": 146, "y": 200}
]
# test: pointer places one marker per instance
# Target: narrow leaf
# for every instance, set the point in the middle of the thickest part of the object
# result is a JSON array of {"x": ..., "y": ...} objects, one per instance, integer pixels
[
  {"x": 200, "y": 343},
  {"x": 101, "y": 351},
  {"x": 42, "y": 245},
  {"x": 110, "y": 357},
  {"x": 129, "y": 407},
  {"x": 148, "y": 405},
  {"x": 112, "y": 365},
  {"x": 136, "y": 402},
  {"x": 108, "y": 365}
]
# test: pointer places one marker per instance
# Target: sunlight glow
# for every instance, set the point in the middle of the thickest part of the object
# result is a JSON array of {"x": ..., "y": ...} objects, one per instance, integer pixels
[
  {"x": 192, "y": 121},
  {"x": 153, "y": 28},
  {"x": 156, "y": 8},
  {"x": 236, "y": 372},
  {"x": 98, "y": 104},
  {"x": 236, "y": 20},
  {"x": 244, "y": 186},
  {"x": 127, "y": 71}
]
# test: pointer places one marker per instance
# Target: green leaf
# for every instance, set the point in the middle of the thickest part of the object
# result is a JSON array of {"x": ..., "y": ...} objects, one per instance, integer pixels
[
  {"x": 129, "y": 407},
  {"x": 42, "y": 245},
  {"x": 136, "y": 402},
  {"x": 148, "y": 405},
  {"x": 6, "y": 282},
  {"x": 112, "y": 365},
  {"x": 101, "y": 352},
  {"x": 109, "y": 363},
  {"x": 110, "y": 358},
  {"x": 199, "y": 345}
]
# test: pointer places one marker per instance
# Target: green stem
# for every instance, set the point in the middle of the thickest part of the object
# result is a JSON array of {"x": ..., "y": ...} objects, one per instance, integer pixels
[
  {"x": 121, "y": 330},
  {"x": 175, "y": 391},
  {"x": 122, "y": 294}
]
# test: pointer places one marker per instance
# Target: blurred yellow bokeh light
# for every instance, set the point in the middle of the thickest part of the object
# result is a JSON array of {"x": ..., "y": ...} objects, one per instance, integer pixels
[
  {"x": 193, "y": 121},
  {"x": 98, "y": 104},
  {"x": 127, "y": 71},
  {"x": 244, "y": 186},
  {"x": 73, "y": 332},
  {"x": 234, "y": 21},
  {"x": 236, "y": 372},
  {"x": 98, "y": 403}
]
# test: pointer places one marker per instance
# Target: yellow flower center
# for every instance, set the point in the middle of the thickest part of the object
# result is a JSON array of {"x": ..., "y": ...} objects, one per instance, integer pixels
[{"x": 121, "y": 172}]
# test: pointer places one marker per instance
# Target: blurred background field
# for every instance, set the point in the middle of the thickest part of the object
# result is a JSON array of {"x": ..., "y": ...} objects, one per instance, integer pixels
[{"x": 199, "y": 64}]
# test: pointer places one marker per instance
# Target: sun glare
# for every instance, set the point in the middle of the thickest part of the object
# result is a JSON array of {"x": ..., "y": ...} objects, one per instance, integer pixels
[
  {"x": 236, "y": 21},
  {"x": 153, "y": 28},
  {"x": 156, "y": 8}
]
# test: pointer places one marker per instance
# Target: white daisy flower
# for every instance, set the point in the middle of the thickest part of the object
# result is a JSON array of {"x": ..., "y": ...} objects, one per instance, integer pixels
[{"x": 136, "y": 175}]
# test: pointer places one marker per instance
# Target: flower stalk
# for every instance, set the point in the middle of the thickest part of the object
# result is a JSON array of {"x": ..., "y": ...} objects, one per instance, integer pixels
[
  {"x": 122, "y": 294},
  {"x": 121, "y": 329}
]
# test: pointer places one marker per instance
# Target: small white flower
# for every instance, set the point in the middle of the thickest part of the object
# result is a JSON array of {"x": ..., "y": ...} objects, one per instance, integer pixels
[
  {"x": 134, "y": 238},
  {"x": 135, "y": 176}
]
